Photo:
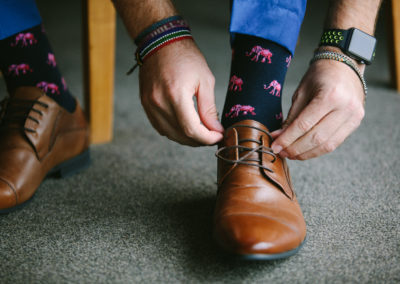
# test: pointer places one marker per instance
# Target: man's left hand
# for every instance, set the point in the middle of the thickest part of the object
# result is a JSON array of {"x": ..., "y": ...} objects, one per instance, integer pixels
[{"x": 326, "y": 108}]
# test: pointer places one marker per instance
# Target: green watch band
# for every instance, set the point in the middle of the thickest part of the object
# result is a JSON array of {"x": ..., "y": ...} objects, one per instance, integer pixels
[{"x": 334, "y": 37}]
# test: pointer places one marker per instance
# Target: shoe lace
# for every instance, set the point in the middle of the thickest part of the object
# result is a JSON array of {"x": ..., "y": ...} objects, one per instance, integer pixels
[
  {"x": 14, "y": 112},
  {"x": 245, "y": 160}
]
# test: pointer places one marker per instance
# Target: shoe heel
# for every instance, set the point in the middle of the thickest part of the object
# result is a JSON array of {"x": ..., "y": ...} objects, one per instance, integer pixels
[{"x": 72, "y": 166}]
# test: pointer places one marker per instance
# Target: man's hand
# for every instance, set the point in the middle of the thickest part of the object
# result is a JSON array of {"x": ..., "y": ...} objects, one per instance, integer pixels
[
  {"x": 168, "y": 81},
  {"x": 326, "y": 108},
  {"x": 171, "y": 77},
  {"x": 328, "y": 105}
]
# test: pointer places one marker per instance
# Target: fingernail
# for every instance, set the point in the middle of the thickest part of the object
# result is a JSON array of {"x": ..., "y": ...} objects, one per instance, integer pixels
[
  {"x": 283, "y": 154},
  {"x": 219, "y": 126},
  {"x": 277, "y": 131},
  {"x": 276, "y": 148}
]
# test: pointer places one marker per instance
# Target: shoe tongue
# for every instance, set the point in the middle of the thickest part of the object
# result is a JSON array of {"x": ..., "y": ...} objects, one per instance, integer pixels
[
  {"x": 27, "y": 93},
  {"x": 251, "y": 134},
  {"x": 251, "y": 130}
]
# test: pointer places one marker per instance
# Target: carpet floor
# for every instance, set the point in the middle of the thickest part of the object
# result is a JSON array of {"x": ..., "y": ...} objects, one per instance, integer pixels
[{"x": 142, "y": 212}]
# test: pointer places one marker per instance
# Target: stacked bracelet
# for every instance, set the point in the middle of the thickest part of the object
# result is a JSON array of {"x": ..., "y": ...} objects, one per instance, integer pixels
[
  {"x": 158, "y": 35},
  {"x": 341, "y": 58}
]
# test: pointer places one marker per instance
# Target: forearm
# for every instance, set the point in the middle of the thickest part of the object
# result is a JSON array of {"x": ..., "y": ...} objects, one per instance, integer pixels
[
  {"x": 139, "y": 14},
  {"x": 344, "y": 14},
  {"x": 360, "y": 14}
]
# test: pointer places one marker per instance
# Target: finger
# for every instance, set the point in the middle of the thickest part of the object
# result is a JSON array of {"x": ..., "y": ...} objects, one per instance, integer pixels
[
  {"x": 276, "y": 133},
  {"x": 171, "y": 130},
  {"x": 299, "y": 102},
  {"x": 308, "y": 117},
  {"x": 207, "y": 108},
  {"x": 319, "y": 134},
  {"x": 190, "y": 123},
  {"x": 341, "y": 134},
  {"x": 163, "y": 119}
]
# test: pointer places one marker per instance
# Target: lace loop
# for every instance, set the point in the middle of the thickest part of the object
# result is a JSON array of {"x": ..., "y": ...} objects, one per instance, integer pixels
[
  {"x": 16, "y": 111},
  {"x": 245, "y": 160}
]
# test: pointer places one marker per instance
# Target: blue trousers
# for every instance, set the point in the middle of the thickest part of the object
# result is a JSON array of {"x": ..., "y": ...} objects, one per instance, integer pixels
[
  {"x": 17, "y": 15},
  {"x": 275, "y": 20}
]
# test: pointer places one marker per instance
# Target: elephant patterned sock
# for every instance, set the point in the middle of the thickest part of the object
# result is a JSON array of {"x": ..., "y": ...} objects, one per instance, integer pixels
[
  {"x": 258, "y": 71},
  {"x": 26, "y": 59}
]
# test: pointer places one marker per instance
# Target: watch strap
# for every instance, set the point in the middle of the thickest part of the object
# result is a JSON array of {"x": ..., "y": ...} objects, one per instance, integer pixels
[{"x": 334, "y": 37}]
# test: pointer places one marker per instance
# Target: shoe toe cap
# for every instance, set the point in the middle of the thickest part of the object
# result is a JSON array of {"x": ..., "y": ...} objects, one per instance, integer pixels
[
  {"x": 8, "y": 197},
  {"x": 256, "y": 234}
]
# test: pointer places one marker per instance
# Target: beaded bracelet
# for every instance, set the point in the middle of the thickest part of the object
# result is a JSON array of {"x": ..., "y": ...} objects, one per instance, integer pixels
[
  {"x": 158, "y": 35},
  {"x": 341, "y": 58}
]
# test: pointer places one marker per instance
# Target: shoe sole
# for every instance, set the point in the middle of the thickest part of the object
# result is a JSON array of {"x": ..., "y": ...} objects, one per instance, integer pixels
[
  {"x": 269, "y": 257},
  {"x": 63, "y": 170},
  {"x": 71, "y": 166}
]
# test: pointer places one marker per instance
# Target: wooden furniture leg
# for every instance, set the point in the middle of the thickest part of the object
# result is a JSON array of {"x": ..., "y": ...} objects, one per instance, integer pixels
[
  {"x": 99, "y": 61},
  {"x": 394, "y": 42}
]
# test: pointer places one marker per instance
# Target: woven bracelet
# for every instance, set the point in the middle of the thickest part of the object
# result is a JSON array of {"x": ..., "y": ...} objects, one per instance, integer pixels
[
  {"x": 154, "y": 27},
  {"x": 159, "y": 35},
  {"x": 341, "y": 58},
  {"x": 159, "y": 28}
]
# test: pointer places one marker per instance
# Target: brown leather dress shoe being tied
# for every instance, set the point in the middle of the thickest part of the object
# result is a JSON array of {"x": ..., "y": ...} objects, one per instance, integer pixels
[
  {"x": 37, "y": 138},
  {"x": 257, "y": 215}
]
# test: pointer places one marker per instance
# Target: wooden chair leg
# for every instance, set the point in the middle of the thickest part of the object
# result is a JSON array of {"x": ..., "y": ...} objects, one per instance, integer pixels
[
  {"x": 394, "y": 42},
  {"x": 99, "y": 60}
]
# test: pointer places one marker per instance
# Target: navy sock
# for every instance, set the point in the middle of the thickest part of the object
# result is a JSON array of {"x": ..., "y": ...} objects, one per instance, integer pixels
[
  {"x": 26, "y": 59},
  {"x": 258, "y": 72}
]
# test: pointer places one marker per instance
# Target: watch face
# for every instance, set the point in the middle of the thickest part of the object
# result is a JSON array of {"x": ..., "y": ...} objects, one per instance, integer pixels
[{"x": 362, "y": 45}]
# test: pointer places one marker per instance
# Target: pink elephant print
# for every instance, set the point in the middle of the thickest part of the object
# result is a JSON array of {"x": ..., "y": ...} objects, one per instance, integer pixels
[
  {"x": 48, "y": 87},
  {"x": 258, "y": 51},
  {"x": 276, "y": 88},
  {"x": 288, "y": 60},
  {"x": 235, "y": 84},
  {"x": 51, "y": 60},
  {"x": 236, "y": 109},
  {"x": 64, "y": 84},
  {"x": 24, "y": 39},
  {"x": 18, "y": 69}
]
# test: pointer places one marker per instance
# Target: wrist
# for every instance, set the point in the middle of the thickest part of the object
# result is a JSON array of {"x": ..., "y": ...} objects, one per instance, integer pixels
[
  {"x": 160, "y": 27},
  {"x": 359, "y": 65},
  {"x": 159, "y": 35},
  {"x": 331, "y": 55},
  {"x": 138, "y": 14}
]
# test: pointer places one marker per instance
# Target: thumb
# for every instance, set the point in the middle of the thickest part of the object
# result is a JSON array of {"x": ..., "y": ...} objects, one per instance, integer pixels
[{"x": 207, "y": 109}]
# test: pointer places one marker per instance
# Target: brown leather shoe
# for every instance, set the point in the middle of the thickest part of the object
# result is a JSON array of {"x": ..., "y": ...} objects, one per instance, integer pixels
[
  {"x": 37, "y": 138},
  {"x": 257, "y": 215}
]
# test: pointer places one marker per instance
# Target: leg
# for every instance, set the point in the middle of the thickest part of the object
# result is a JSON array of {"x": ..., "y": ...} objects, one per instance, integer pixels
[
  {"x": 255, "y": 74},
  {"x": 42, "y": 127},
  {"x": 257, "y": 215},
  {"x": 26, "y": 59}
]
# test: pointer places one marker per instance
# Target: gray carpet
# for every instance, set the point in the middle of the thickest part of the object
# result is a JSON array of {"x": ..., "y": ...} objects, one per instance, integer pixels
[{"x": 142, "y": 212}]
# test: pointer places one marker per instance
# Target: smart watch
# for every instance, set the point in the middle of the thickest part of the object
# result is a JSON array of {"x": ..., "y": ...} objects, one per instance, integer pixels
[{"x": 353, "y": 42}]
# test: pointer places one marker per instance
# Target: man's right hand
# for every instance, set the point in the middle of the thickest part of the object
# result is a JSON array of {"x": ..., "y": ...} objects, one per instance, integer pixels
[{"x": 168, "y": 81}]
